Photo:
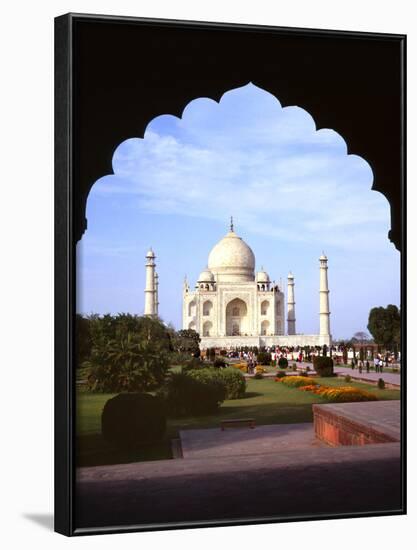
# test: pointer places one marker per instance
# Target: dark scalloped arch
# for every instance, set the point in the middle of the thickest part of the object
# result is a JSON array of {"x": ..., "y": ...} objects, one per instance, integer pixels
[{"x": 127, "y": 74}]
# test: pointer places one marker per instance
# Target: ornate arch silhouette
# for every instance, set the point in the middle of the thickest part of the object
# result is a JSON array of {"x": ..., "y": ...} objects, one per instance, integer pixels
[{"x": 351, "y": 85}]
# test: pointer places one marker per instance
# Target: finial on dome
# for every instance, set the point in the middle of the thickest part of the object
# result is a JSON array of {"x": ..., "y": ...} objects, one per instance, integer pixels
[{"x": 231, "y": 223}]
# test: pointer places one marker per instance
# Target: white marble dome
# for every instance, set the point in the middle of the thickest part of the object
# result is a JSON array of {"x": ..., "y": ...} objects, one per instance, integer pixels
[
  {"x": 262, "y": 277},
  {"x": 206, "y": 276},
  {"x": 232, "y": 259}
]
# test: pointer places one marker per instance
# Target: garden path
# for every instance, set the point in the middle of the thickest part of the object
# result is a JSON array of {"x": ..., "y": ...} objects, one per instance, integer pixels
[{"x": 246, "y": 441}]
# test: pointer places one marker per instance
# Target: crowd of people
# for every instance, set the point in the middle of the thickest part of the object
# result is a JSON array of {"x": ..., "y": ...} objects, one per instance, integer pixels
[
  {"x": 276, "y": 352},
  {"x": 366, "y": 360}
]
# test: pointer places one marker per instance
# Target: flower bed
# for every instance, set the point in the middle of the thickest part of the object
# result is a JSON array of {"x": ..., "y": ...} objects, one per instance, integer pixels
[
  {"x": 296, "y": 381},
  {"x": 342, "y": 394},
  {"x": 241, "y": 366}
]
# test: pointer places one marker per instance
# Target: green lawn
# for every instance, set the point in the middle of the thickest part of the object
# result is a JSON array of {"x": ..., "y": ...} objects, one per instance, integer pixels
[{"x": 267, "y": 401}]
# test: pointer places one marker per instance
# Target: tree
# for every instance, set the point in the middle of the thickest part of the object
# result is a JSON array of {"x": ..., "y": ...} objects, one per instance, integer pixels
[
  {"x": 384, "y": 325},
  {"x": 110, "y": 327},
  {"x": 360, "y": 337},
  {"x": 128, "y": 352},
  {"x": 187, "y": 340},
  {"x": 128, "y": 363},
  {"x": 83, "y": 341}
]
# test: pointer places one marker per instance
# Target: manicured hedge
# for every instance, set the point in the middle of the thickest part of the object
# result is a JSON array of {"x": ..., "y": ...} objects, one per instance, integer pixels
[
  {"x": 192, "y": 364},
  {"x": 195, "y": 392},
  {"x": 323, "y": 366},
  {"x": 283, "y": 363},
  {"x": 130, "y": 419},
  {"x": 264, "y": 358},
  {"x": 234, "y": 381}
]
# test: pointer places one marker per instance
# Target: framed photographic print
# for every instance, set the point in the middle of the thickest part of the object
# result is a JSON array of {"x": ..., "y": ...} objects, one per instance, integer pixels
[{"x": 230, "y": 274}]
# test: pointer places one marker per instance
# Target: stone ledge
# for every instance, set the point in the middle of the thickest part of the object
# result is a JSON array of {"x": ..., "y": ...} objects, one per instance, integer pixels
[{"x": 357, "y": 423}]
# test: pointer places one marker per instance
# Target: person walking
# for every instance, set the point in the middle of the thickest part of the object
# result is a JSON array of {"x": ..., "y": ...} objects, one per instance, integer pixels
[
  {"x": 376, "y": 363},
  {"x": 250, "y": 364}
]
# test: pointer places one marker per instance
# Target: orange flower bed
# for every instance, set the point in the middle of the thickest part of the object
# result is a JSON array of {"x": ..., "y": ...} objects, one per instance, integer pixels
[
  {"x": 296, "y": 381},
  {"x": 342, "y": 394},
  {"x": 241, "y": 366}
]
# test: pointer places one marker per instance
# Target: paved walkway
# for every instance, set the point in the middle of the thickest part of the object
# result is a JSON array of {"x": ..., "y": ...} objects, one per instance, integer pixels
[
  {"x": 324, "y": 480},
  {"x": 275, "y": 438},
  {"x": 387, "y": 377}
]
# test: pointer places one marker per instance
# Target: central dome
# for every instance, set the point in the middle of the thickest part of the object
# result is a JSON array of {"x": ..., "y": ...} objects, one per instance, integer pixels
[{"x": 232, "y": 259}]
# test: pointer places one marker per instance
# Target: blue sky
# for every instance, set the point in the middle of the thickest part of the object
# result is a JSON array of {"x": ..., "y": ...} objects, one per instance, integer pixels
[{"x": 293, "y": 192}]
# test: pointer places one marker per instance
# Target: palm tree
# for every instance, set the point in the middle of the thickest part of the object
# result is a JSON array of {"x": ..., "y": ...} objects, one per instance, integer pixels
[{"x": 128, "y": 363}]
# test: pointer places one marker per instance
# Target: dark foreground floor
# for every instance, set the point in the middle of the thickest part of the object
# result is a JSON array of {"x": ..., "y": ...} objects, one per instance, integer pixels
[{"x": 321, "y": 481}]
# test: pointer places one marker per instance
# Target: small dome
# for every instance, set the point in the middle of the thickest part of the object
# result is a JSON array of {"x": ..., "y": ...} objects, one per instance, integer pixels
[
  {"x": 206, "y": 276},
  {"x": 262, "y": 277},
  {"x": 290, "y": 275},
  {"x": 323, "y": 256},
  {"x": 231, "y": 259},
  {"x": 150, "y": 253}
]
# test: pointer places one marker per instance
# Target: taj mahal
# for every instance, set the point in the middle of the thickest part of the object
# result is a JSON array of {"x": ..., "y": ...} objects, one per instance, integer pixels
[{"x": 232, "y": 305}]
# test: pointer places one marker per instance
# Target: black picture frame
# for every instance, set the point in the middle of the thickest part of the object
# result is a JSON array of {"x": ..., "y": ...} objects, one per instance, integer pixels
[{"x": 352, "y": 82}]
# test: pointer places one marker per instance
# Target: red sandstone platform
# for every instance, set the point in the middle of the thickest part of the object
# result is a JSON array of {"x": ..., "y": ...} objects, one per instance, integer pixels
[{"x": 358, "y": 423}]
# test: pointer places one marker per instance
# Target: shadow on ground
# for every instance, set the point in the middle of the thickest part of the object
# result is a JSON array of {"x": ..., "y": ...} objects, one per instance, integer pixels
[
  {"x": 44, "y": 520},
  {"x": 328, "y": 481}
]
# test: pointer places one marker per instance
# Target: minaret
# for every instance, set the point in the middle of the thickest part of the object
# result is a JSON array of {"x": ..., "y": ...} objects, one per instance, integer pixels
[
  {"x": 291, "y": 305},
  {"x": 156, "y": 294},
  {"x": 150, "y": 290},
  {"x": 185, "y": 285},
  {"x": 324, "y": 298}
]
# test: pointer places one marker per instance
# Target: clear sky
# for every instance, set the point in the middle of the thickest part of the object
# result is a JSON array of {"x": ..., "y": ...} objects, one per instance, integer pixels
[{"x": 293, "y": 192}]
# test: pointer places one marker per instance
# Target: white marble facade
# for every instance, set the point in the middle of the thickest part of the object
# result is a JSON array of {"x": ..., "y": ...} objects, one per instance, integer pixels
[{"x": 233, "y": 306}]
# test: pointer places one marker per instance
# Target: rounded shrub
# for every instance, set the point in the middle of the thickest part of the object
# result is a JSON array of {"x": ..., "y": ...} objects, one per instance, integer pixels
[
  {"x": 264, "y": 358},
  {"x": 219, "y": 363},
  {"x": 348, "y": 378},
  {"x": 258, "y": 376},
  {"x": 235, "y": 383},
  {"x": 283, "y": 363},
  {"x": 381, "y": 384},
  {"x": 192, "y": 363},
  {"x": 196, "y": 392},
  {"x": 323, "y": 365},
  {"x": 131, "y": 419}
]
